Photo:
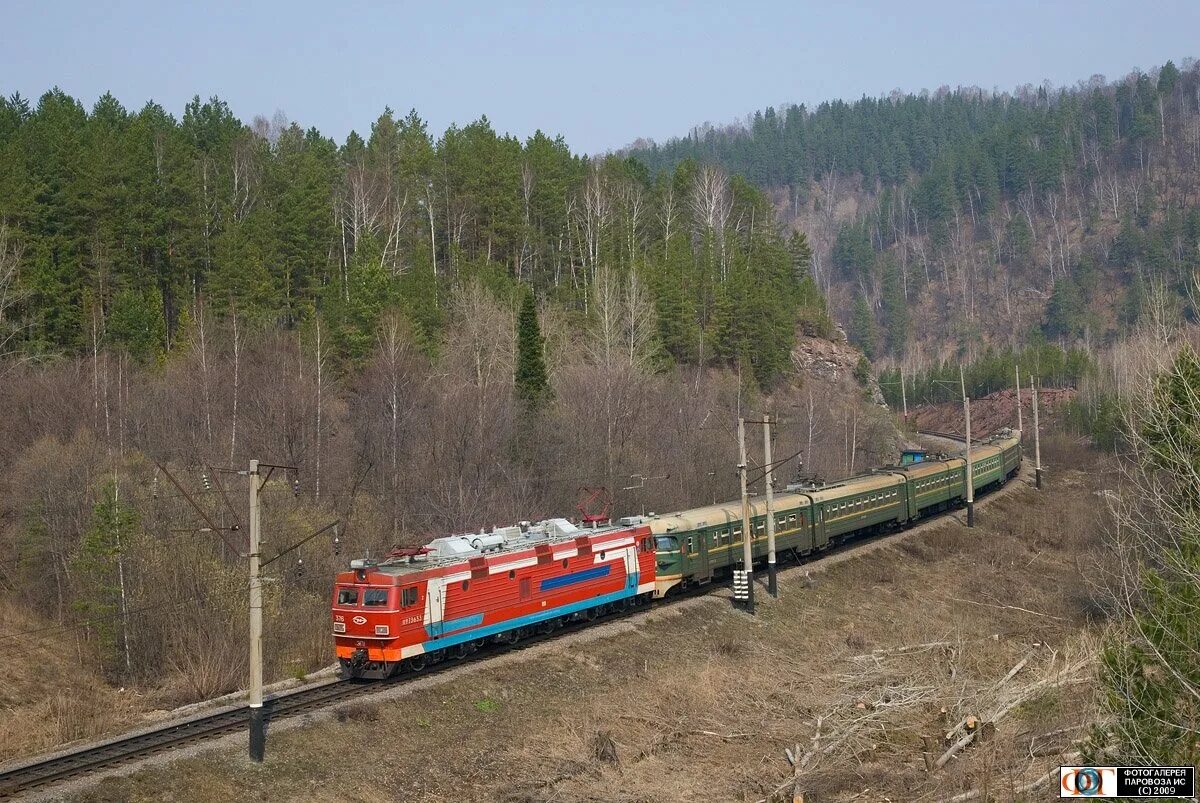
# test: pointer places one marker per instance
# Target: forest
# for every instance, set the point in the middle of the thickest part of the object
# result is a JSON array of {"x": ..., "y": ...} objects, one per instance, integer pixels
[
  {"x": 435, "y": 334},
  {"x": 944, "y": 222},
  {"x": 125, "y": 224}
]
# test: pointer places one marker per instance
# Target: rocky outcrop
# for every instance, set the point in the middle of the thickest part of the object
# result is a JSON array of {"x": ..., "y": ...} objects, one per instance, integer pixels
[{"x": 834, "y": 361}]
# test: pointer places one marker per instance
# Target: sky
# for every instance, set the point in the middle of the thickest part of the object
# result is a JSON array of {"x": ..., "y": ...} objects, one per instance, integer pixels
[{"x": 601, "y": 74}]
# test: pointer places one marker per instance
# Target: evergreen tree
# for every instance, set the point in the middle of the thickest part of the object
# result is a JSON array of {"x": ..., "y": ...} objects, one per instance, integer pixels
[
  {"x": 863, "y": 331},
  {"x": 531, "y": 381},
  {"x": 801, "y": 255},
  {"x": 135, "y": 322},
  {"x": 1065, "y": 311},
  {"x": 100, "y": 574},
  {"x": 895, "y": 310}
]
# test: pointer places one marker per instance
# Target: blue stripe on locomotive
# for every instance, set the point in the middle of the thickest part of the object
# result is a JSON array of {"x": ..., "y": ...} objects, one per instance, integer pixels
[
  {"x": 462, "y": 623},
  {"x": 551, "y": 583},
  {"x": 630, "y": 590}
]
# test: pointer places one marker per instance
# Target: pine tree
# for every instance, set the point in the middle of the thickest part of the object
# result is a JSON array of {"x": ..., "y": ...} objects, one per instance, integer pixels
[
  {"x": 1065, "y": 310},
  {"x": 531, "y": 381},
  {"x": 895, "y": 310},
  {"x": 100, "y": 575},
  {"x": 135, "y": 321},
  {"x": 801, "y": 255},
  {"x": 862, "y": 327}
]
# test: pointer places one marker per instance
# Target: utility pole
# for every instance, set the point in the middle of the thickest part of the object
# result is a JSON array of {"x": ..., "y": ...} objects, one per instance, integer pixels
[
  {"x": 970, "y": 469},
  {"x": 1019, "y": 426},
  {"x": 1037, "y": 437},
  {"x": 903, "y": 396},
  {"x": 257, "y": 725},
  {"x": 747, "y": 535},
  {"x": 772, "y": 586}
]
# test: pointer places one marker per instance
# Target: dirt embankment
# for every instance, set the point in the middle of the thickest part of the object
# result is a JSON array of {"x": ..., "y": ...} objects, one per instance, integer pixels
[
  {"x": 860, "y": 670},
  {"x": 990, "y": 413}
]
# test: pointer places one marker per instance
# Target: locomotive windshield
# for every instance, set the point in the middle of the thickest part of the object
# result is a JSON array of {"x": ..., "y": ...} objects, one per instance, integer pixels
[
  {"x": 375, "y": 597},
  {"x": 665, "y": 543},
  {"x": 347, "y": 596}
]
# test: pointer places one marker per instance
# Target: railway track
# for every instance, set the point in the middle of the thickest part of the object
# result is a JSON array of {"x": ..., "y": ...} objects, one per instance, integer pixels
[
  {"x": 119, "y": 751},
  {"x": 122, "y": 750}
]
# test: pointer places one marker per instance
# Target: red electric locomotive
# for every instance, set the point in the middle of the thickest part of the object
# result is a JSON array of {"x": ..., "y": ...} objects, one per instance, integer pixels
[{"x": 458, "y": 592}]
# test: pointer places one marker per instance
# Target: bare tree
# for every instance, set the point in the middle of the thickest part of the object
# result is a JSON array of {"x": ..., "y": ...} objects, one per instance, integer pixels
[
  {"x": 712, "y": 204},
  {"x": 10, "y": 294}
]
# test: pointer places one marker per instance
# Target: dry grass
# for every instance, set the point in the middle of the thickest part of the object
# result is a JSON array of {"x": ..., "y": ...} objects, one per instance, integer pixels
[
  {"x": 47, "y": 698},
  {"x": 862, "y": 673}
]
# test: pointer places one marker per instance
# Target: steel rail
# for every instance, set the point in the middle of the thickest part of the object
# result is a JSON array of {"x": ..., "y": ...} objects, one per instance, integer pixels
[{"x": 124, "y": 749}]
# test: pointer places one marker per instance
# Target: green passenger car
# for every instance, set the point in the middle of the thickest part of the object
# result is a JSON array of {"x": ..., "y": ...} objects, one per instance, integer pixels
[{"x": 700, "y": 545}]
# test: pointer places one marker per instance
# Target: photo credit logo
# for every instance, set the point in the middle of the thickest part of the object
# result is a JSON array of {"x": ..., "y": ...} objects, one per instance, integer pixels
[
  {"x": 1127, "y": 782},
  {"x": 1087, "y": 782}
]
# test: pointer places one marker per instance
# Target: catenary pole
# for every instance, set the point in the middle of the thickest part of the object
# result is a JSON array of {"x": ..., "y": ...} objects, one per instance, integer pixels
[
  {"x": 1037, "y": 437},
  {"x": 257, "y": 725},
  {"x": 970, "y": 468},
  {"x": 1019, "y": 424},
  {"x": 772, "y": 585},
  {"x": 747, "y": 535}
]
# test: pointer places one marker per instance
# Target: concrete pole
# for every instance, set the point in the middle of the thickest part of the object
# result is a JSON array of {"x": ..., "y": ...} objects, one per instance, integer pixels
[
  {"x": 970, "y": 468},
  {"x": 747, "y": 535},
  {"x": 1037, "y": 437},
  {"x": 257, "y": 725},
  {"x": 772, "y": 586},
  {"x": 1019, "y": 425},
  {"x": 903, "y": 395}
]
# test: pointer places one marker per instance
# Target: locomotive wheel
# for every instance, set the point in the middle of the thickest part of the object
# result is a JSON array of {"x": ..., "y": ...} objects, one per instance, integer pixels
[{"x": 417, "y": 663}]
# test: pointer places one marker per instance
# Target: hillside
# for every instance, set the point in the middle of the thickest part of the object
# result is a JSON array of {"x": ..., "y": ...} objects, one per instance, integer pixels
[
  {"x": 433, "y": 335},
  {"x": 942, "y": 223},
  {"x": 860, "y": 670}
]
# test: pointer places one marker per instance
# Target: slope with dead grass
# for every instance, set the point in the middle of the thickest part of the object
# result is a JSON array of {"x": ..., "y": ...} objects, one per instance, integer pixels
[
  {"x": 48, "y": 697},
  {"x": 867, "y": 673}
]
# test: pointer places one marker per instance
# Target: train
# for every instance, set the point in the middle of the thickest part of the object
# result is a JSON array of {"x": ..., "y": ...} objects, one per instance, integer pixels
[{"x": 458, "y": 593}]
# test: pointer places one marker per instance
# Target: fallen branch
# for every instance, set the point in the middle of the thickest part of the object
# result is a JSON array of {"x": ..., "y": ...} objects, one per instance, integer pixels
[
  {"x": 1013, "y": 672},
  {"x": 816, "y": 743},
  {"x": 1064, "y": 677},
  {"x": 1051, "y": 775},
  {"x": 725, "y": 736},
  {"x": 1007, "y": 608}
]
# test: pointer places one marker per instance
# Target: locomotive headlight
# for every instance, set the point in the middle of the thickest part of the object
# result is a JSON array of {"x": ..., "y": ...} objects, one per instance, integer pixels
[
  {"x": 381, "y": 630},
  {"x": 339, "y": 627}
]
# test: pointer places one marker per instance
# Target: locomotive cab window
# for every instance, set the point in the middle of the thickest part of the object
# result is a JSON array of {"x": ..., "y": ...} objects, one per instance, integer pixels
[
  {"x": 375, "y": 597},
  {"x": 408, "y": 597},
  {"x": 347, "y": 596},
  {"x": 666, "y": 543}
]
